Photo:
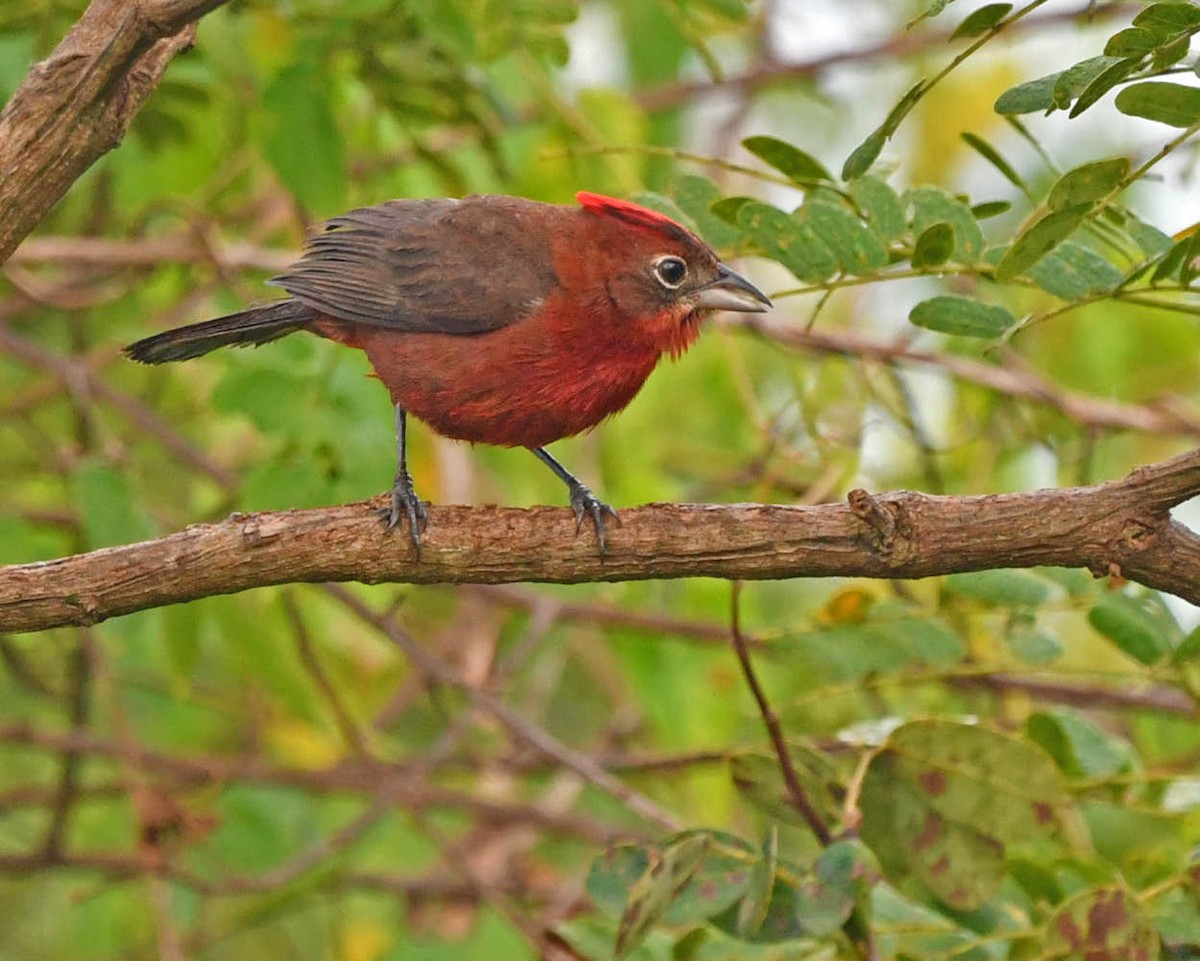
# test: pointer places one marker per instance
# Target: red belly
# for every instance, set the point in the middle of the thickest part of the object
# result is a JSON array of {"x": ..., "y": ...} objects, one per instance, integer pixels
[{"x": 516, "y": 387}]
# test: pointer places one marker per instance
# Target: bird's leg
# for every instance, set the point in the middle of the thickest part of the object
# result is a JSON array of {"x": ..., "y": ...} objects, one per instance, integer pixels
[
  {"x": 583, "y": 501},
  {"x": 404, "y": 499}
]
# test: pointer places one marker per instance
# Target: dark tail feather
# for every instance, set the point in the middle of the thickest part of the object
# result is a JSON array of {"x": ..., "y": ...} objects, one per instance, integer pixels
[{"x": 255, "y": 326}]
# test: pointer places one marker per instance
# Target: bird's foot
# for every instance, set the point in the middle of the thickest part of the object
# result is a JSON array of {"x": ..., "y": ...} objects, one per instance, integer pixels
[
  {"x": 585, "y": 504},
  {"x": 406, "y": 503}
]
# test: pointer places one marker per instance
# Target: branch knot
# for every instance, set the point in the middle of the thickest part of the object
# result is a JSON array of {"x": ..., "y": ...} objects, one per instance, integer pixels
[{"x": 875, "y": 515}]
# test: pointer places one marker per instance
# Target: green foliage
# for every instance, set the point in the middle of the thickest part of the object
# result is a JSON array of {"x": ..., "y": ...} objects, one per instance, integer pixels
[{"x": 952, "y": 314}]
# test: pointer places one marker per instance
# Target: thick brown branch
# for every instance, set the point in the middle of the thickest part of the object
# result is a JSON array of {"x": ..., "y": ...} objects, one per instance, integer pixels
[
  {"x": 1122, "y": 527},
  {"x": 77, "y": 104}
]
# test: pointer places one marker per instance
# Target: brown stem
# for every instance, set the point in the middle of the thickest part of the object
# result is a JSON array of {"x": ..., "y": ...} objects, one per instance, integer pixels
[
  {"x": 1013, "y": 377},
  {"x": 796, "y": 793}
]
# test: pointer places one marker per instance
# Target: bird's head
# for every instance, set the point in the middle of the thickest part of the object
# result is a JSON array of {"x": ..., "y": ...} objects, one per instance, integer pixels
[{"x": 659, "y": 274}]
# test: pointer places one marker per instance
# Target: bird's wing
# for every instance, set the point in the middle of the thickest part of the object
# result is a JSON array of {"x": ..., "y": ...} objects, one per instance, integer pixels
[{"x": 459, "y": 267}]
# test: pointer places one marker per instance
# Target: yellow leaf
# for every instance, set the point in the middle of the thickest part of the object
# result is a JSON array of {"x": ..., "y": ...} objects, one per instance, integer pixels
[
  {"x": 363, "y": 940},
  {"x": 302, "y": 745}
]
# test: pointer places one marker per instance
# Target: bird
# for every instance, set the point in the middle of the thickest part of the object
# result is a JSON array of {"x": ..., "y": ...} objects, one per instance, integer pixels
[{"x": 492, "y": 319}]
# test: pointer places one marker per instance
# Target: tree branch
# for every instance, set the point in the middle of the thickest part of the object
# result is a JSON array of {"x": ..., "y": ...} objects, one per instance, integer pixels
[
  {"x": 77, "y": 104},
  {"x": 1168, "y": 416},
  {"x": 1122, "y": 527}
]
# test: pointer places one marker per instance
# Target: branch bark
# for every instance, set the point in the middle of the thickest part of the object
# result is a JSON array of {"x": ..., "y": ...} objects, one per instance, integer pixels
[
  {"x": 1122, "y": 528},
  {"x": 77, "y": 104}
]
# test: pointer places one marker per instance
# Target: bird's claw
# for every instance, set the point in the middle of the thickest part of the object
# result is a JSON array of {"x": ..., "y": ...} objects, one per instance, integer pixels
[
  {"x": 585, "y": 504},
  {"x": 405, "y": 503}
]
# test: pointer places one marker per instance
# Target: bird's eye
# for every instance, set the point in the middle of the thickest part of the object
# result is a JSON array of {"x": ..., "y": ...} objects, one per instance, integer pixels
[{"x": 670, "y": 271}]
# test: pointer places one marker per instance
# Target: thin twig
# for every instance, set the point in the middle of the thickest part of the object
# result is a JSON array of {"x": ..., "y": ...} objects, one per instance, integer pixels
[
  {"x": 518, "y": 726},
  {"x": 796, "y": 793},
  {"x": 1014, "y": 378},
  {"x": 79, "y": 698},
  {"x": 349, "y": 728}
]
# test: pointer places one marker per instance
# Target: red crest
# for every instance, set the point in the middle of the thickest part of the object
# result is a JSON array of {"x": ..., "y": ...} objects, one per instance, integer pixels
[{"x": 629, "y": 212}]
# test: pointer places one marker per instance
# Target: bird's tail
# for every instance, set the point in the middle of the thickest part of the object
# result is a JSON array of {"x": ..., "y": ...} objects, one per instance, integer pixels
[{"x": 255, "y": 326}]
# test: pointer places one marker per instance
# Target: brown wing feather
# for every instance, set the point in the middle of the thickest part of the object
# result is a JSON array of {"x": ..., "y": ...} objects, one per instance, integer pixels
[{"x": 461, "y": 267}]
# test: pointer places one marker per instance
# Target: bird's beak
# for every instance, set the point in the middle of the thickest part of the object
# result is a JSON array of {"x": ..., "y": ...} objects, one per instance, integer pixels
[{"x": 732, "y": 291}]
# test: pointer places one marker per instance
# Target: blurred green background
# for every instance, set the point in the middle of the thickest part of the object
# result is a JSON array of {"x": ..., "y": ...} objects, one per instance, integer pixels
[{"x": 267, "y": 775}]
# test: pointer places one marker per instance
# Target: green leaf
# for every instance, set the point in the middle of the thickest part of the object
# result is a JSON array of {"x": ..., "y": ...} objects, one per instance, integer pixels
[
  {"x": 696, "y": 196},
  {"x": 917, "y": 933},
  {"x": 292, "y": 480},
  {"x": 1037, "y": 240},
  {"x": 651, "y": 895},
  {"x": 1078, "y": 746},
  {"x": 964, "y": 316},
  {"x": 613, "y": 873},
  {"x": 1189, "y": 650},
  {"x": 792, "y": 162},
  {"x": 1029, "y": 643},
  {"x": 756, "y": 904},
  {"x": 1152, "y": 241},
  {"x": 16, "y": 57},
  {"x": 1073, "y": 272},
  {"x": 107, "y": 507},
  {"x": 1190, "y": 266},
  {"x": 255, "y": 390},
  {"x": 1055, "y": 90},
  {"x": 1088, "y": 183},
  {"x": 932, "y": 9},
  {"x": 1169, "y": 103},
  {"x": 779, "y": 924},
  {"x": 1004, "y": 588},
  {"x": 1027, "y": 97},
  {"x": 841, "y": 878},
  {"x": 941, "y": 801},
  {"x": 865, "y": 154},
  {"x": 647, "y": 883},
  {"x": 1076, "y": 79},
  {"x": 1170, "y": 54},
  {"x": 22, "y": 541},
  {"x": 1168, "y": 20},
  {"x": 1130, "y": 627},
  {"x": 1102, "y": 84},
  {"x": 931, "y": 205},
  {"x": 934, "y": 246},
  {"x": 993, "y": 156},
  {"x": 881, "y": 205},
  {"x": 888, "y": 642},
  {"x": 590, "y": 936},
  {"x": 728, "y": 208},
  {"x": 1131, "y": 42},
  {"x": 1104, "y": 924},
  {"x": 1170, "y": 265},
  {"x": 858, "y": 250},
  {"x": 719, "y": 882},
  {"x": 981, "y": 20},
  {"x": 990, "y": 208},
  {"x": 302, "y": 141},
  {"x": 665, "y": 205},
  {"x": 788, "y": 240},
  {"x": 760, "y": 781}
]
